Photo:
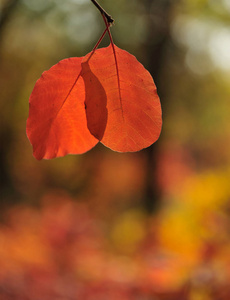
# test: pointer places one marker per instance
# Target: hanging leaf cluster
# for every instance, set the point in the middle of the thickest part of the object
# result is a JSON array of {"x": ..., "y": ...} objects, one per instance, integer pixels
[{"x": 106, "y": 96}]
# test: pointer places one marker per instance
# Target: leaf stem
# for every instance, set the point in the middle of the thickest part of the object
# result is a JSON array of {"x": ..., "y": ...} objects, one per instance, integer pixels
[
  {"x": 107, "y": 24},
  {"x": 109, "y": 19},
  {"x": 97, "y": 44}
]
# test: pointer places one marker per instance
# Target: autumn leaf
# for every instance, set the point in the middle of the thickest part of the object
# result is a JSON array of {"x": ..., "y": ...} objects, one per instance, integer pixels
[
  {"x": 57, "y": 123},
  {"x": 106, "y": 96},
  {"x": 133, "y": 106}
]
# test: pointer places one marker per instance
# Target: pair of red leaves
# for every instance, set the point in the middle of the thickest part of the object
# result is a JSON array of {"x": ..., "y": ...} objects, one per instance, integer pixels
[{"x": 106, "y": 96}]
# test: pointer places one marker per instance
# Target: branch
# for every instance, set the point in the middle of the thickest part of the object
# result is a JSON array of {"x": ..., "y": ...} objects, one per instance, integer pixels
[{"x": 110, "y": 20}]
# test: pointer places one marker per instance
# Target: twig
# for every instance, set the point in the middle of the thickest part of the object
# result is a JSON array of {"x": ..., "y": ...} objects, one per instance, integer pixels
[{"x": 110, "y": 20}]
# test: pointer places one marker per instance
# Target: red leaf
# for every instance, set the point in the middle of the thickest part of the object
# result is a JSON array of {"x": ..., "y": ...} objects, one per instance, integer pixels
[
  {"x": 107, "y": 96},
  {"x": 134, "y": 111},
  {"x": 57, "y": 122}
]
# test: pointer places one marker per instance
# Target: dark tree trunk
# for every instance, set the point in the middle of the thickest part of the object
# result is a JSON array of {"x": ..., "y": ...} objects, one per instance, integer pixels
[
  {"x": 7, "y": 9},
  {"x": 158, "y": 14},
  {"x": 6, "y": 186}
]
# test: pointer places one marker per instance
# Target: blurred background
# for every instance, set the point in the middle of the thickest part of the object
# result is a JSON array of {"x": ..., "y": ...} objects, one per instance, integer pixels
[{"x": 151, "y": 225}]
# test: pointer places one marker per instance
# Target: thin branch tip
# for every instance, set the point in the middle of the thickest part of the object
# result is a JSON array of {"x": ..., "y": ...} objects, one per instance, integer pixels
[{"x": 108, "y": 17}]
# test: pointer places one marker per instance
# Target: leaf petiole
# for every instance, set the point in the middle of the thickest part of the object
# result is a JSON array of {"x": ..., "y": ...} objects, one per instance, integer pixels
[
  {"x": 107, "y": 24},
  {"x": 97, "y": 44}
]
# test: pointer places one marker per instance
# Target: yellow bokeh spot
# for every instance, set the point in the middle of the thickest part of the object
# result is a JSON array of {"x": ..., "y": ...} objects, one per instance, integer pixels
[{"x": 128, "y": 231}]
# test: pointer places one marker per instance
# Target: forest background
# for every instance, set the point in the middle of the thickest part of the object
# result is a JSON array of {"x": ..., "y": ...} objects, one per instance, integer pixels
[{"x": 105, "y": 225}]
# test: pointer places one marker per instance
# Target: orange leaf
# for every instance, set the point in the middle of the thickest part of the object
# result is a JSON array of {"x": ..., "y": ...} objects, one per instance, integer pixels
[
  {"x": 57, "y": 123},
  {"x": 133, "y": 106},
  {"x": 107, "y": 96}
]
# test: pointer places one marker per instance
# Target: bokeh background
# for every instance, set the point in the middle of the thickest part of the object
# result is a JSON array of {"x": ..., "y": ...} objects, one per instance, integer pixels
[{"x": 152, "y": 225}]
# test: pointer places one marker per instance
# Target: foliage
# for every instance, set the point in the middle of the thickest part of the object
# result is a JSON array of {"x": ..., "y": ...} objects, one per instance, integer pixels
[
  {"x": 64, "y": 249},
  {"x": 78, "y": 227},
  {"x": 81, "y": 101}
]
